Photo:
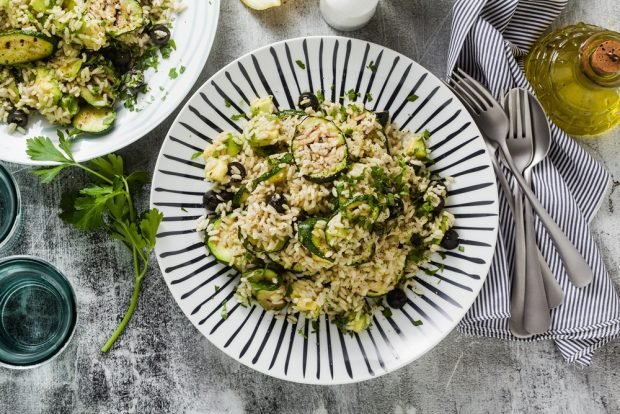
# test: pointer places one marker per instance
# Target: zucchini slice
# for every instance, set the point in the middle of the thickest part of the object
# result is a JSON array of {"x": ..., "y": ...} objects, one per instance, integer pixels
[
  {"x": 319, "y": 149},
  {"x": 221, "y": 247},
  {"x": 353, "y": 241},
  {"x": 263, "y": 279},
  {"x": 311, "y": 234},
  {"x": 128, "y": 18},
  {"x": 94, "y": 120},
  {"x": 24, "y": 46},
  {"x": 274, "y": 176},
  {"x": 256, "y": 246},
  {"x": 362, "y": 209}
]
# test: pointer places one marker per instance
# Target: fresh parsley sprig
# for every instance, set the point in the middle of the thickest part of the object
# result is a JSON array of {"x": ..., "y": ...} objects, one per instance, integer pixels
[{"x": 106, "y": 204}]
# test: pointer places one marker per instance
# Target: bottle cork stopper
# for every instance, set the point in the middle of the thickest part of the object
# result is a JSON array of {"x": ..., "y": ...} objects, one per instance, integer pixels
[{"x": 606, "y": 57}]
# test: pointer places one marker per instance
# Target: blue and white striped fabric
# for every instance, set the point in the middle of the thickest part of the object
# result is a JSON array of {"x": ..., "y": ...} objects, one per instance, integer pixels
[{"x": 488, "y": 39}]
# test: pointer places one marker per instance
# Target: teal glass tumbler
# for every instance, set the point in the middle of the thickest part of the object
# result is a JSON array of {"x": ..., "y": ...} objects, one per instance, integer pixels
[
  {"x": 10, "y": 211},
  {"x": 37, "y": 312}
]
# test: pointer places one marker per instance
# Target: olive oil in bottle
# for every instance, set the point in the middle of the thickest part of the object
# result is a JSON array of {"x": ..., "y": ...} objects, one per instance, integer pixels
[{"x": 575, "y": 73}]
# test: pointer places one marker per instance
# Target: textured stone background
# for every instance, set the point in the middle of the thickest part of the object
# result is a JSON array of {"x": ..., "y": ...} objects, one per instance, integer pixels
[{"x": 162, "y": 364}]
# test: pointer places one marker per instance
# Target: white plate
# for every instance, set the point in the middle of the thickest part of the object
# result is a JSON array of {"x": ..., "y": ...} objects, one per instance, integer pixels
[
  {"x": 253, "y": 336},
  {"x": 193, "y": 33}
]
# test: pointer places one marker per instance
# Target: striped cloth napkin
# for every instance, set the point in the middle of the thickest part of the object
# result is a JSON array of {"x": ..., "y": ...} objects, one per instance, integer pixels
[{"x": 489, "y": 40}]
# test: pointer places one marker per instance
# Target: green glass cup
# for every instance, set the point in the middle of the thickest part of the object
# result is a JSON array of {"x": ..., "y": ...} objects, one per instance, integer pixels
[
  {"x": 10, "y": 211},
  {"x": 37, "y": 312}
]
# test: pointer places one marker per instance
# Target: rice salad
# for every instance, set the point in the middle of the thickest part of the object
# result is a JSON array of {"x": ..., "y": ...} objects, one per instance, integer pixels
[
  {"x": 328, "y": 209},
  {"x": 72, "y": 61}
]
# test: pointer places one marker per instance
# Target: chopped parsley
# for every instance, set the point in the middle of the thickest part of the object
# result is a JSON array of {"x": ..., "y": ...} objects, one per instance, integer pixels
[
  {"x": 173, "y": 74},
  {"x": 300, "y": 64},
  {"x": 352, "y": 95},
  {"x": 372, "y": 66},
  {"x": 227, "y": 103},
  {"x": 417, "y": 323},
  {"x": 237, "y": 117},
  {"x": 167, "y": 49},
  {"x": 301, "y": 332},
  {"x": 217, "y": 288},
  {"x": 320, "y": 96},
  {"x": 196, "y": 154},
  {"x": 461, "y": 249},
  {"x": 387, "y": 312},
  {"x": 224, "y": 312},
  {"x": 369, "y": 97},
  {"x": 183, "y": 209},
  {"x": 412, "y": 98},
  {"x": 182, "y": 69},
  {"x": 315, "y": 326}
]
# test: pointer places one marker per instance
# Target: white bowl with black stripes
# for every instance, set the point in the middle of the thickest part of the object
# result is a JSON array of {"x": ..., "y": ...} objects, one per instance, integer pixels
[{"x": 202, "y": 286}]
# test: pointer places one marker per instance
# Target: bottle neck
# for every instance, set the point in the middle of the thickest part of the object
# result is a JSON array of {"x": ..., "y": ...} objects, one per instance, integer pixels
[{"x": 599, "y": 58}]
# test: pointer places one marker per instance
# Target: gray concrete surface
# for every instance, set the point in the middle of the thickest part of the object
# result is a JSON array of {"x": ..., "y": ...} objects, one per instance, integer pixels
[{"x": 162, "y": 364}]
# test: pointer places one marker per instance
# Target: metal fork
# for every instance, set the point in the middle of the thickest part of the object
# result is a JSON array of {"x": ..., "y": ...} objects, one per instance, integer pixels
[
  {"x": 493, "y": 122},
  {"x": 536, "y": 318}
]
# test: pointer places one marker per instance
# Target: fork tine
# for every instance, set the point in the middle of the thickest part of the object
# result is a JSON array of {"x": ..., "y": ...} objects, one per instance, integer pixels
[
  {"x": 511, "y": 115},
  {"x": 481, "y": 89},
  {"x": 473, "y": 93},
  {"x": 462, "y": 98},
  {"x": 527, "y": 118}
]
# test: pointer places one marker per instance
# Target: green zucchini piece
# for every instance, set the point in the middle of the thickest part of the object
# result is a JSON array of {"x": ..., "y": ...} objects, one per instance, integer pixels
[
  {"x": 262, "y": 105},
  {"x": 232, "y": 147},
  {"x": 69, "y": 68},
  {"x": 218, "y": 247},
  {"x": 94, "y": 120},
  {"x": 311, "y": 234},
  {"x": 240, "y": 197},
  {"x": 416, "y": 145},
  {"x": 216, "y": 169},
  {"x": 274, "y": 176},
  {"x": 263, "y": 279},
  {"x": 271, "y": 299},
  {"x": 128, "y": 18},
  {"x": 362, "y": 209},
  {"x": 255, "y": 246},
  {"x": 313, "y": 165},
  {"x": 24, "y": 46},
  {"x": 70, "y": 103},
  {"x": 47, "y": 84},
  {"x": 41, "y": 6}
]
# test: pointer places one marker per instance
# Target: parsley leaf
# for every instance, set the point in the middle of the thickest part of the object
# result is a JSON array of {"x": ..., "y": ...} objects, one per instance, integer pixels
[
  {"x": 300, "y": 64},
  {"x": 105, "y": 204}
]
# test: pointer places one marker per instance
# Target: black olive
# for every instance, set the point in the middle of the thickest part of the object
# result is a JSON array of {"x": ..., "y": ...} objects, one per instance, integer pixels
[
  {"x": 120, "y": 58},
  {"x": 450, "y": 240},
  {"x": 417, "y": 240},
  {"x": 308, "y": 100},
  {"x": 396, "y": 298},
  {"x": 383, "y": 118},
  {"x": 236, "y": 169},
  {"x": 380, "y": 227},
  {"x": 18, "y": 117},
  {"x": 212, "y": 199},
  {"x": 159, "y": 34},
  {"x": 277, "y": 201},
  {"x": 397, "y": 209},
  {"x": 416, "y": 168}
]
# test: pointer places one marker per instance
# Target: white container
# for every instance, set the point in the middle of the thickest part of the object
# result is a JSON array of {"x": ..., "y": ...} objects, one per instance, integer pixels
[{"x": 348, "y": 15}]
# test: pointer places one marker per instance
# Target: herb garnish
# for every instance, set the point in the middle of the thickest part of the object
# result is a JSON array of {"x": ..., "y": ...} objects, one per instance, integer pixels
[
  {"x": 417, "y": 323},
  {"x": 106, "y": 204},
  {"x": 196, "y": 154},
  {"x": 224, "y": 312},
  {"x": 372, "y": 66},
  {"x": 300, "y": 64},
  {"x": 369, "y": 97},
  {"x": 320, "y": 96},
  {"x": 352, "y": 95},
  {"x": 412, "y": 98},
  {"x": 173, "y": 74}
]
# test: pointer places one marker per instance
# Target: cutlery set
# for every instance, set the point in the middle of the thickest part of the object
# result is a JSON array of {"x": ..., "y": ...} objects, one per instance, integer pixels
[{"x": 520, "y": 131}]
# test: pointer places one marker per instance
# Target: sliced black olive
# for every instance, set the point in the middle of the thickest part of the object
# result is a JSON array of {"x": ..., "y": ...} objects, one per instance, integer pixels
[
  {"x": 439, "y": 208},
  {"x": 417, "y": 240},
  {"x": 383, "y": 118},
  {"x": 237, "y": 171},
  {"x": 18, "y": 117},
  {"x": 450, "y": 240},
  {"x": 159, "y": 34},
  {"x": 308, "y": 100},
  {"x": 212, "y": 199},
  {"x": 397, "y": 209},
  {"x": 120, "y": 58},
  {"x": 277, "y": 201},
  {"x": 396, "y": 298}
]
